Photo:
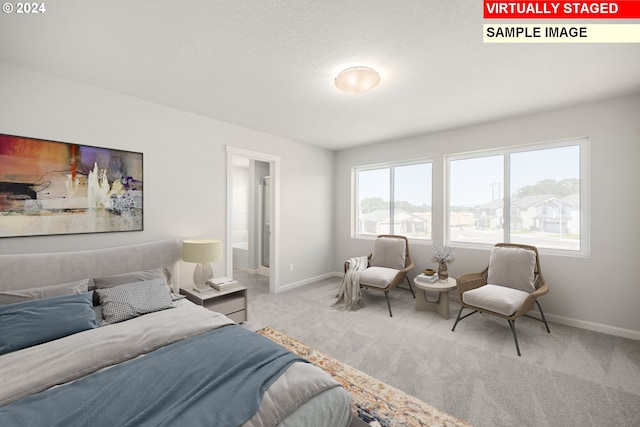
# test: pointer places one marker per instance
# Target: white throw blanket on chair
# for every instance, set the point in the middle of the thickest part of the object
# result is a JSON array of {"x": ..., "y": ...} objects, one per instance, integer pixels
[{"x": 350, "y": 295}]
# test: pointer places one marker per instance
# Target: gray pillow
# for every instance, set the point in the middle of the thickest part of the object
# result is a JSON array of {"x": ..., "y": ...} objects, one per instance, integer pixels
[
  {"x": 388, "y": 252},
  {"x": 129, "y": 300},
  {"x": 124, "y": 278},
  {"x": 19, "y": 295},
  {"x": 513, "y": 268},
  {"x": 29, "y": 323}
]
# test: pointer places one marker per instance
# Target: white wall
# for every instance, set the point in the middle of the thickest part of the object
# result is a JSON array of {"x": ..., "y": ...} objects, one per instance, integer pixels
[
  {"x": 184, "y": 168},
  {"x": 601, "y": 292}
]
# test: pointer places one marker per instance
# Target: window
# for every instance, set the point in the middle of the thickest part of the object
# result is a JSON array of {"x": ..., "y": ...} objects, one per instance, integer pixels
[
  {"x": 393, "y": 199},
  {"x": 476, "y": 204},
  {"x": 534, "y": 195}
]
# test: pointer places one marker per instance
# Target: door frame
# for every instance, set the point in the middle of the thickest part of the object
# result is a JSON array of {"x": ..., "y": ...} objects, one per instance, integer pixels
[{"x": 274, "y": 243}]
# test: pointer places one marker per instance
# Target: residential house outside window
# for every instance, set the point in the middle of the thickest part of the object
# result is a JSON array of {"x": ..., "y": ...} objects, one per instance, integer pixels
[
  {"x": 534, "y": 194},
  {"x": 475, "y": 199},
  {"x": 393, "y": 199}
]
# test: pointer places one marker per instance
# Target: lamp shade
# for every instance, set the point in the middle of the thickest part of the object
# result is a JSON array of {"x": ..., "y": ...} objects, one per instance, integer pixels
[{"x": 201, "y": 250}]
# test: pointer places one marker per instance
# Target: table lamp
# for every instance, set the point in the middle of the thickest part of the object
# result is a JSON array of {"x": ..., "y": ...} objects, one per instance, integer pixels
[{"x": 203, "y": 252}]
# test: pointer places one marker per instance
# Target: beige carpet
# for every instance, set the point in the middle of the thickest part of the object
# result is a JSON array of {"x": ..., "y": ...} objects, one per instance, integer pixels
[{"x": 372, "y": 399}]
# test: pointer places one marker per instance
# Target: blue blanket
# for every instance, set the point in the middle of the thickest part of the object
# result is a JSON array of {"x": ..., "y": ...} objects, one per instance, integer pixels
[{"x": 214, "y": 379}]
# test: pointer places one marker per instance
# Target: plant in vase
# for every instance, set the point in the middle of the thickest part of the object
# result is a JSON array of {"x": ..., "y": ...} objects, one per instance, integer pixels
[{"x": 443, "y": 257}]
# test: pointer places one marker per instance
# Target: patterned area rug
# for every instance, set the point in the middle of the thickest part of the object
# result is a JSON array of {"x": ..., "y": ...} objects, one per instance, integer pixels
[{"x": 375, "y": 402}]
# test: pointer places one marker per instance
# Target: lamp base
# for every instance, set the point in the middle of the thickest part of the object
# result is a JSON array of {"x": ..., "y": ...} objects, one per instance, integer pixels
[{"x": 201, "y": 275}]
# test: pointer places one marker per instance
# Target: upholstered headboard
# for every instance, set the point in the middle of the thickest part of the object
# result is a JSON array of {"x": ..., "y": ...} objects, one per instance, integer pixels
[{"x": 35, "y": 270}]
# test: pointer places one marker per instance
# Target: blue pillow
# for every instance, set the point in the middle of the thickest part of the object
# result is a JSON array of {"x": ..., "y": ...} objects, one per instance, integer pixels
[{"x": 28, "y": 323}]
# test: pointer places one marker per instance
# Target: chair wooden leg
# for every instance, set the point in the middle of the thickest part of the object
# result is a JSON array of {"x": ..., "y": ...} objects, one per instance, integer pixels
[
  {"x": 411, "y": 287},
  {"x": 512, "y": 324},
  {"x": 386, "y": 294}
]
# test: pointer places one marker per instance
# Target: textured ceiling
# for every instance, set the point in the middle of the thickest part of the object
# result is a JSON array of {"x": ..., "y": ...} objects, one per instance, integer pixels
[{"x": 269, "y": 64}]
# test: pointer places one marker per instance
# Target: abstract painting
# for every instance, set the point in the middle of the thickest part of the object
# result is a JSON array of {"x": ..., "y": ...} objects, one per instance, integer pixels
[{"x": 50, "y": 187}]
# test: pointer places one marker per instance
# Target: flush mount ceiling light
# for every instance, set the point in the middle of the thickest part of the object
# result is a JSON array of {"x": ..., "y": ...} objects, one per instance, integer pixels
[{"x": 357, "y": 79}]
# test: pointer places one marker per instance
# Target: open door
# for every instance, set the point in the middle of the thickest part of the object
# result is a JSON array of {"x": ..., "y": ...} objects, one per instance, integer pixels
[{"x": 252, "y": 213}]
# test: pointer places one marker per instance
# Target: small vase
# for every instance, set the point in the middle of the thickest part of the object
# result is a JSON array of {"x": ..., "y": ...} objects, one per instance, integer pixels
[{"x": 443, "y": 271}]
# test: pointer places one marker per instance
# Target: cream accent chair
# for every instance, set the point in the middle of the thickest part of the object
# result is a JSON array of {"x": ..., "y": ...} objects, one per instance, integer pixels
[
  {"x": 388, "y": 265},
  {"x": 507, "y": 288}
]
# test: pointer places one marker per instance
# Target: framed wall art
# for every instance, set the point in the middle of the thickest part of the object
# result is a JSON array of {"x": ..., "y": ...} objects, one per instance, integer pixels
[{"x": 51, "y": 187}]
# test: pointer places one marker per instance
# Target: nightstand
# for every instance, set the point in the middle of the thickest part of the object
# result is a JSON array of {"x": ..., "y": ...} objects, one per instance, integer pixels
[{"x": 230, "y": 302}]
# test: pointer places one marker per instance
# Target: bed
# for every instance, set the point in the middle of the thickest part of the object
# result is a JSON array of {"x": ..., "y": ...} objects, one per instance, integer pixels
[{"x": 102, "y": 338}]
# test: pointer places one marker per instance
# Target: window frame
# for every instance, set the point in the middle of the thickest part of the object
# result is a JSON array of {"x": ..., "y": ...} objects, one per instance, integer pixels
[
  {"x": 584, "y": 158},
  {"x": 355, "y": 196}
]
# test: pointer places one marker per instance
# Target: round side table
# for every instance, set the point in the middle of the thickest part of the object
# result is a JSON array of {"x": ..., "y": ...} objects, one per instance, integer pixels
[{"x": 441, "y": 303}]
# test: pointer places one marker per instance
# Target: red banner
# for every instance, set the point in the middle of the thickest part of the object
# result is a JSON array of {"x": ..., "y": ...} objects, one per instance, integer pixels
[{"x": 622, "y": 9}]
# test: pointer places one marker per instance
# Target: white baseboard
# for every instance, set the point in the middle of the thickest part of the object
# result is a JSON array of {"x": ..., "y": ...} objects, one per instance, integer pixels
[
  {"x": 304, "y": 282},
  {"x": 596, "y": 327}
]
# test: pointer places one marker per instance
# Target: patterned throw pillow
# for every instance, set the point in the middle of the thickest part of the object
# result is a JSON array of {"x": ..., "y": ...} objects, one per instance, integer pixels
[
  {"x": 124, "y": 302},
  {"x": 127, "y": 278}
]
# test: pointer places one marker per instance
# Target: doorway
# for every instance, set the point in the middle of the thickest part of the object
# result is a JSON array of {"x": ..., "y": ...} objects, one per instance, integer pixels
[{"x": 252, "y": 213}]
